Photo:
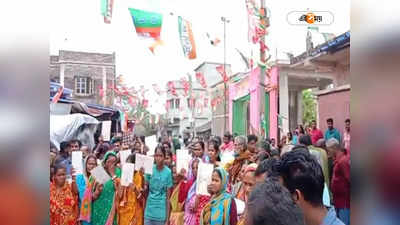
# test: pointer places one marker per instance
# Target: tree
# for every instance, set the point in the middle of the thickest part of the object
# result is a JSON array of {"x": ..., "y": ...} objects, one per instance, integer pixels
[{"x": 309, "y": 106}]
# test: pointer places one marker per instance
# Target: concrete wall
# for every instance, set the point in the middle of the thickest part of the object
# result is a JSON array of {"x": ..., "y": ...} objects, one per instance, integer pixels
[
  {"x": 219, "y": 118},
  {"x": 69, "y": 64},
  {"x": 334, "y": 105}
]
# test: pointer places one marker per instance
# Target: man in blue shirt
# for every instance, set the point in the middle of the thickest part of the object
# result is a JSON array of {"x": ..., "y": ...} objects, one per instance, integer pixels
[
  {"x": 331, "y": 132},
  {"x": 303, "y": 177}
]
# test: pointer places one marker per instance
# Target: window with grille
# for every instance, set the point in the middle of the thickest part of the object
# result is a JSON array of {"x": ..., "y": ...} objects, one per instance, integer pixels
[
  {"x": 177, "y": 103},
  {"x": 83, "y": 86}
]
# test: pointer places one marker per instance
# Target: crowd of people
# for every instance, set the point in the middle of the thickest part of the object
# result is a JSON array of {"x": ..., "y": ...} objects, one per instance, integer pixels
[{"x": 303, "y": 179}]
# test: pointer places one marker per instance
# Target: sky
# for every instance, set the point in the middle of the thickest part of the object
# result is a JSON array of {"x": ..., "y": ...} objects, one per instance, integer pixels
[{"x": 78, "y": 25}]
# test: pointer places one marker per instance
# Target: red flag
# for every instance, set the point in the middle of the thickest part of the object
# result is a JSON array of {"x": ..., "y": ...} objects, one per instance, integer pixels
[
  {"x": 201, "y": 80},
  {"x": 145, "y": 103},
  {"x": 186, "y": 85},
  {"x": 101, "y": 91},
  {"x": 263, "y": 47},
  {"x": 125, "y": 91},
  {"x": 57, "y": 96},
  {"x": 171, "y": 87},
  {"x": 167, "y": 105},
  {"x": 220, "y": 70}
]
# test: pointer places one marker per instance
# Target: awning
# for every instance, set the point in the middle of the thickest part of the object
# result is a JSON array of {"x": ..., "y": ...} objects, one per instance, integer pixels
[{"x": 203, "y": 128}]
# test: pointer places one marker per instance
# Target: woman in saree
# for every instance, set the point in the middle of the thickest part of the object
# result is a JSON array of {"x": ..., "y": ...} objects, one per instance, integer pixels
[
  {"x": 82, "y": 180},
  {"x": 63, "y": 199},
  {"x": 221, "y": 209},
  {"x": 131, "y": 206},
  {"x": 238, "y": 188},
  {"x": 177, "y": 212},
  {"x": 213, "y": 153},
  {"x": 101, "y": 200},
  {"x": 248, "y": 182},
  {"x": 193, "y": 203}
]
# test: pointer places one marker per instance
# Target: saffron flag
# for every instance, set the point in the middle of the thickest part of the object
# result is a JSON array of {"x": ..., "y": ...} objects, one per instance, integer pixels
[
  {"x": 147, "y": 24},
  {"x": 106, "y": 10},
  {"x": 58, "y": 95},
  {"x": 213, "y": 41},
  {"x": 171, "y": 87},
  {"x": 221, "y": 70},
  {"x": 200, "y": 78},
  {"x": 186, "y": 86},
  {"x": 187, "y": 39},
  {"x": 145, "y": 103}
]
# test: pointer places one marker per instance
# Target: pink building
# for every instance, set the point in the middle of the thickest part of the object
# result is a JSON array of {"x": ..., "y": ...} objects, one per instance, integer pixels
[{"x": 252, "y": 108}]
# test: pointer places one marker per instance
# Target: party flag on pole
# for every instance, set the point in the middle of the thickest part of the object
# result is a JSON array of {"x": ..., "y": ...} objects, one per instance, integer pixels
[
  {"x": 106, "y": 10},
  {"x": 200, "y": 78},
  {"x": 221, "y": 70},
  {"x": 187, "y": 39},
  {"x": 186, "y": 86},
  {"x": 147, "y": 24},
  {"x": 58, "y": 95},
  {"x": 171, "y": 87}
]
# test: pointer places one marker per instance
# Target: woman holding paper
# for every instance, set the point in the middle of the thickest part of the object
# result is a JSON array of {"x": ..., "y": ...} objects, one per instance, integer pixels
[
  {"x": 249, "y": 181},
  {"x": 194, "y": 203},
  {"x": 213, "y": 153},
  {"x": 221, "y": 210},
  {"x": 159, "y": 184},
  {"x": 63, "y": 199},
  {"x": 82, "y": 180},
  {"x": 105, "y": 197},
  {"x": 130, "y": 209}
]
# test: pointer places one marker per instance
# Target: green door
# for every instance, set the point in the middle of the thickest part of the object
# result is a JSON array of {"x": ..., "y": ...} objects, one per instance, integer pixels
[
  {"x": 266, "y": 114},
  {"x": 239, "y": 123}
]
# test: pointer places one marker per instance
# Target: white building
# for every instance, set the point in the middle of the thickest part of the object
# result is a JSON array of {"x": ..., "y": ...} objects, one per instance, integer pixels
[{"x": 183, "y": 118}]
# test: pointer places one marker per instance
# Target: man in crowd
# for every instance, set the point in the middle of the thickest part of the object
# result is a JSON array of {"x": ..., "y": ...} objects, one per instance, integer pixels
[
  {"x": 117, "y": 143},
  {"x": 346, "y": 135},
  {"x": 340, "y": 185},
  {"x": 227, "y": 145},
  {"x": 252, "y": 147},
  {"x": 265, "y": 169},
  {"x": 66, "y": 149},
  {"x": 303, "y": 177},
  {"x": 271, "y": 204},
  {"x": 315, "y": 133},
  {"x": 331, "y": 132},
  {"x": 320, "y": 155},
  {"x": 252, "y": 143}
]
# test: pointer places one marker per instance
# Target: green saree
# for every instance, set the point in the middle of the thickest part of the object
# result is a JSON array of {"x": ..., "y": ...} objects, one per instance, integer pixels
[{"x": 104, "y": 208}]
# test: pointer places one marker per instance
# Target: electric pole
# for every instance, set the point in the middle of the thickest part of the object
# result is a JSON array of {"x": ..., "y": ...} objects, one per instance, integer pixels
[{"x": 224, "y": 20}]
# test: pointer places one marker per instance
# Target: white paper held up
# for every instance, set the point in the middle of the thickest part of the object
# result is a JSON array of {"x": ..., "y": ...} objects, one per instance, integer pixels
[
  {"x": 123, "y": 155},
  {"x": 77, "y": 162},
  {"x": 240, "y": 205},
  {"x": 144, "y": 161},
  {"x": 182, "y": 160},
  {"x": 106, "y": 130},
  {"x": 128, "y": 170},
  {"x": 204, "y": 173},
  {"x": 227, "y": 157},
  {"x": 100, "y": 175}
]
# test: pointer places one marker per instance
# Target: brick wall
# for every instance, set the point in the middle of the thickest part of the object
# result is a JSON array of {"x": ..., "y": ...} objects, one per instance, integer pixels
[{"x": 334, "y": 105}]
